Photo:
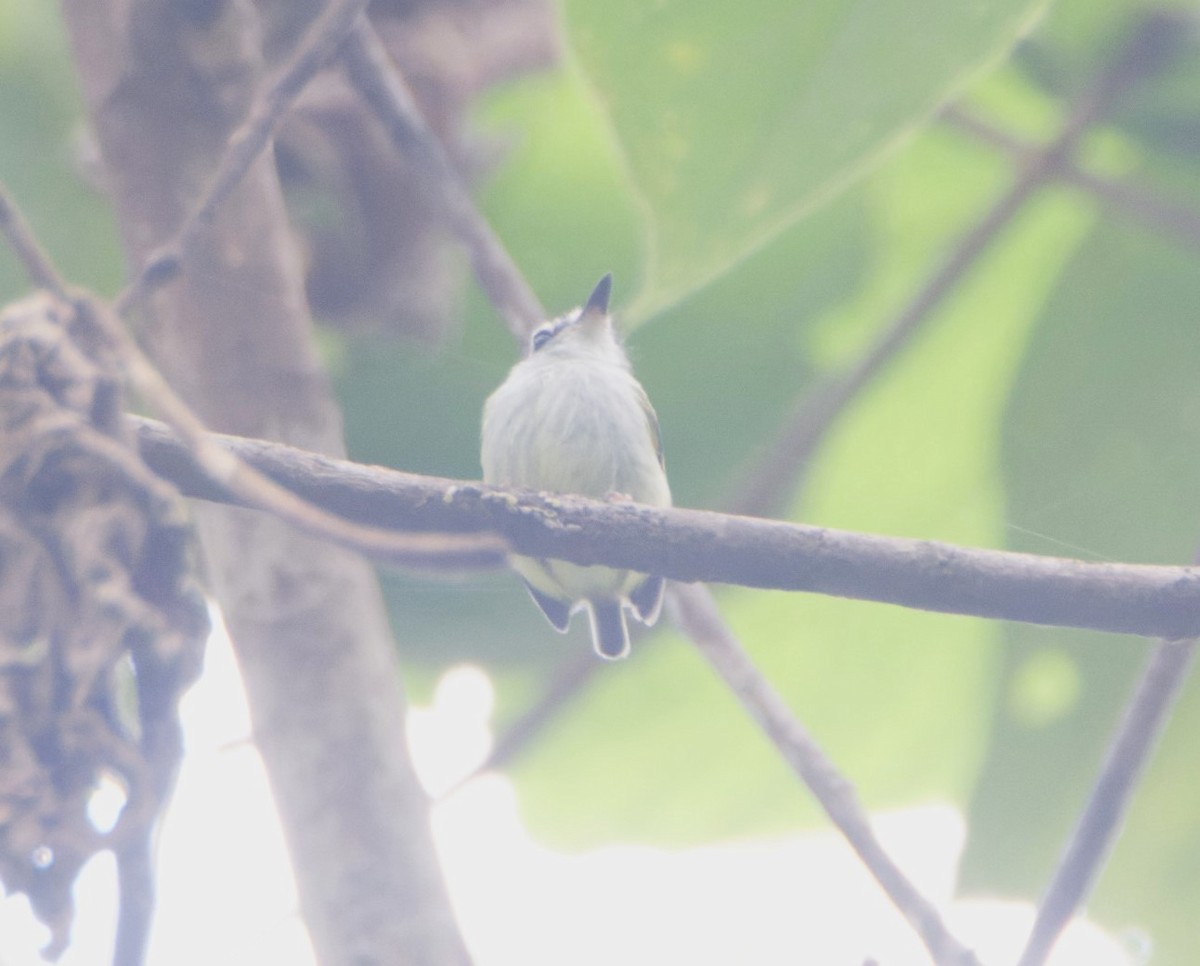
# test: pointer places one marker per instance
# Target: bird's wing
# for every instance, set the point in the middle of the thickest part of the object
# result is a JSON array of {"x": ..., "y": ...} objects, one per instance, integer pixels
[{"x": 652, "y": 425}]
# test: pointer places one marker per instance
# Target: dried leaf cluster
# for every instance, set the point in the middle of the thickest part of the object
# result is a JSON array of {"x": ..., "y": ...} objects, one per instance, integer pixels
[{"x": 100, "y": 624}]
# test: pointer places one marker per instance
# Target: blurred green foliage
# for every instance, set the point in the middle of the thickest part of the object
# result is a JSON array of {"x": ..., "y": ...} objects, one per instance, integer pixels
[
  {"x": 1050, "y": 404},
  {"x": 41, "y": 151},
  {"x": 734, "y": 120}
]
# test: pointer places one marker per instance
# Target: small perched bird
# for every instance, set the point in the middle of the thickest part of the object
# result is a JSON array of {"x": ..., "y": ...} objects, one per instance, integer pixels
[{"x": 571, "y": 418}]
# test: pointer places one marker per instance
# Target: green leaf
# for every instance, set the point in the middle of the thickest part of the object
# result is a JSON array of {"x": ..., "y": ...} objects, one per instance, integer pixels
[
  {"x": 737, "y": 119},
  {"x": 560, "y": 200},
  {"x": 902, "y": 701},
  {"x": 1102, "y": 461}
]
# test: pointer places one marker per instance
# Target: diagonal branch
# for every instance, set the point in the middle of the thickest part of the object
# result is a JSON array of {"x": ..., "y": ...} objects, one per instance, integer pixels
[
  {"x": 33, "y": 257},
  {"x": 379, "y": 82},
  {"x": 1136, "y": 202},
  {"x": 696, "y": 545},
  {"x": 1131, "y": 748},
  {"x": 565, "y": 683},
  {"x": 254, "y": 489},
  {"x": 317, "y": 48},
  {"x": 425, "y": 550},
  {"x": 814, "y": 413},
  {"x": 696, "y": 613}
]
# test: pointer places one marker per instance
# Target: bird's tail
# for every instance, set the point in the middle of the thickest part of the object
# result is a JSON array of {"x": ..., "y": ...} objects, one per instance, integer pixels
[{"x": 609, "y": 635}]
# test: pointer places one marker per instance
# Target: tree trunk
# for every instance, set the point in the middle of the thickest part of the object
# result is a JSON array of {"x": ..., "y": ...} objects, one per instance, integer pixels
[{"x": 165, "y": 85}]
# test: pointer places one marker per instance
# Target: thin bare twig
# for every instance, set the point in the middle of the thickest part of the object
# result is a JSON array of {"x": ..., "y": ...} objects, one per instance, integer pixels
[
  {"x": 557, "y": 694},
  {"x": 1137, "y": 202},
  {"x": 382, "y": 86},
  {"x": 698, "y": 545},
  {"x": 566, "y": 681},
  {"x": 317, "y": 48},
  {"x": 453, "y": 551},
  {"x": 253, "y": 489},
  {"x": 785, "y": 457},
  {"x": 379, "y": 82},
  {"x": 37, "y": 263},
  {"x": 696, "y": 612},
  {"x": 1130, "y": 751}
]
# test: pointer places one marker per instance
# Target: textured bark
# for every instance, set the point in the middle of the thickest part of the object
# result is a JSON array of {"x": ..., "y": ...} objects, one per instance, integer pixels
[
  {"x": 702, "y": 546},
  {"x": 165, "y": 85}
]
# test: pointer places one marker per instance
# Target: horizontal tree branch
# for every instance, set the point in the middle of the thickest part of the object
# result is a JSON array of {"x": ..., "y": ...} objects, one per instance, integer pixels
[{"x": 696, "y": 545}]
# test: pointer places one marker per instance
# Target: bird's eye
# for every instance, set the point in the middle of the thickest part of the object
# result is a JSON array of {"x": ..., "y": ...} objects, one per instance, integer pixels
[{"x": 542, "y": 336}]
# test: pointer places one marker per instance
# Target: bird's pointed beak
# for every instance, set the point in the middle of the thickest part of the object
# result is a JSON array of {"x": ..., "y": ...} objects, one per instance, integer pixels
[{"x": 597, "y": 303}]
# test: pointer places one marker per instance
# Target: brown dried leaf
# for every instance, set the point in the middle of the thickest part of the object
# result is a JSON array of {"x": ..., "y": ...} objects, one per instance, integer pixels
[{"x": 94, "y": 581}]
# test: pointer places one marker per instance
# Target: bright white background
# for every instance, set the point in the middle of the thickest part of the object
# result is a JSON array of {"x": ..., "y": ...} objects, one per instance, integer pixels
[{"x": 226, "y": 895}]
